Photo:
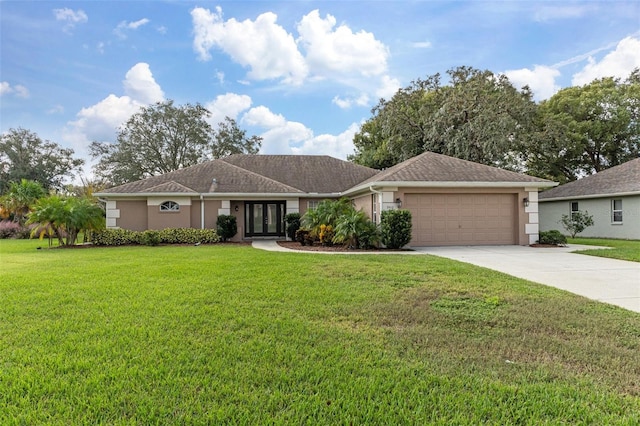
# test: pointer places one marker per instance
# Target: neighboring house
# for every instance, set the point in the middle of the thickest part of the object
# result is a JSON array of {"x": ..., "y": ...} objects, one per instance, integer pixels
[
  {"x": 611, "y": 196},
  {"x": 452, "y": 201}
]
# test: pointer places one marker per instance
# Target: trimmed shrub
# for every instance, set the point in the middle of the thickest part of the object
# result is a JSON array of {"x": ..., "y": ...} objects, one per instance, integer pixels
[
  {"x": 116, "y": 237},
  {"x": 227, "y": 226},
  {"x": 293, "y": 224},
  {"x": 188, "y": 236},
  {"x": 553, "y": 237},
  {"x": 150, "y": 238},
  {"x": 395, "y": 228},
  {"x": 121, "y": 237}
]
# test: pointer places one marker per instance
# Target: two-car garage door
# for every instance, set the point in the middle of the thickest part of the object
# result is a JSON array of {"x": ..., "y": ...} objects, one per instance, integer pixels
[{"x": 462, "y": 219}]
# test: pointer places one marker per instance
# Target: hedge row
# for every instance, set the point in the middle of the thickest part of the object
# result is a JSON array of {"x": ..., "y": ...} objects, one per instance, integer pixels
[{"x": 120, "y": 237}]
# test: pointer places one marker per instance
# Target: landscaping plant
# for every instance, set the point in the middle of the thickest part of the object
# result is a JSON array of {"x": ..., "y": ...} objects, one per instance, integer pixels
[
  {"x": 395, "y": 228},
  {"x": 553, "y": 237},
  {"x": 576, "y": 222},
  {"x": 227, "y": 226},
  {"x": 292, "y": 221}
]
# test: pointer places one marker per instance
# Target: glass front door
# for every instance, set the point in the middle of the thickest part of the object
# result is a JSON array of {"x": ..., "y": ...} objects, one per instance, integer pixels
[{"x": 264, "y": 218}]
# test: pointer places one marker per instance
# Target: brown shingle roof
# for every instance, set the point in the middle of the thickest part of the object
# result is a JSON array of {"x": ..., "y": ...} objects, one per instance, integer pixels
[
  {"x": 621, "y": 179},
  {"x": 170, "y": 186},
  {"x": 243, "y": 173},
  {"x": 199, "y": 179},
  {"x": 299, "y": 174},
  {"x": 432, "y": 167},
  {"x": 308, "y": 173}
]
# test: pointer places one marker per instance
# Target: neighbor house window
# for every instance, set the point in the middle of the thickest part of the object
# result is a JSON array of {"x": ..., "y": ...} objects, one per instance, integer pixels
[
  {"x": 574, "y": 209},
  {"x": 616, "y": 211},
  {"x": 312, "y": 204},
  {"x": 169, "y": 206}
]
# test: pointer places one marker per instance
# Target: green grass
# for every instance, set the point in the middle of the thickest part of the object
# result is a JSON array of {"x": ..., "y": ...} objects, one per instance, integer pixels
[
  {"x": 621, "y": 249},
  {"x": 233, "y": 335}
]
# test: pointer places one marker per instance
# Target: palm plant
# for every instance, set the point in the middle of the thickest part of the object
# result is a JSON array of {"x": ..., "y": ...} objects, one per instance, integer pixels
[
  {"x": 326, "y": 213},
  {"x": 21, "y": 196},
  {"x": 48, "y": 213},
  {"x": 350, "y": 226},
  {"x": 65, "y": 218}
]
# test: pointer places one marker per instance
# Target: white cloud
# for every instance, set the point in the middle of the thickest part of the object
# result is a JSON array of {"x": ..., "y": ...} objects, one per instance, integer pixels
[
  {"x": 541, "y": 80},
  {"x": 281, "y": 135},
  {"x": 162, "y": 29},
  {"x": 18, "y": 90},
  {"x": 227, "y": 105},
  {"x": 124, "y": 26},
  {"x": 101, "y": 121},
  {"x": 331, "y": 50},
  {"x": 5, "y": 88},
  {"x": 618, "y": 63},
  {"x": 388, "y": 87},
  {"x": 339, "y": 146},
  {"x": 261, "y": 45},
  {"x": 141, "y": 86},
  {"x": 345, "y": 103},
  {"x": 70, "y": 17}
]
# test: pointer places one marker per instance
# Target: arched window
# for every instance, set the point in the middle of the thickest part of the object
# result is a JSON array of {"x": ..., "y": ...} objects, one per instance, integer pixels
[{"x": 169, "y": 206}]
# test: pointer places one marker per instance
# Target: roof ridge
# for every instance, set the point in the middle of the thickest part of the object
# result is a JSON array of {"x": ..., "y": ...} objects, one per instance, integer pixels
[
  {"x": 169, "y": 182},
  {"x": 258, "y": 175}
]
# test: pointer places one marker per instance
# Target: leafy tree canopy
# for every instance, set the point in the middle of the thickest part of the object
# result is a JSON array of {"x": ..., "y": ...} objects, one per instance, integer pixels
[
  {"x": 23, "y": 155},
  {"x": 164, "y": 137},
  {"x": 583, "y": 130},
  {"x": 479, "y": 116}
]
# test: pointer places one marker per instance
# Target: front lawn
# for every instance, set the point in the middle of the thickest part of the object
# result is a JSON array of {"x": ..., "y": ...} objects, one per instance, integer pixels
[
  {"x": 234, "y": 335},
  {"x": 621, "y": 249}
]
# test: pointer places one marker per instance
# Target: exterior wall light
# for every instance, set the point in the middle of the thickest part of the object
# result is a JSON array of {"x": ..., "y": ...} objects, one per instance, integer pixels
[
  {"x": 399, "y": 203},
  {"x": 525, "y": 201}
]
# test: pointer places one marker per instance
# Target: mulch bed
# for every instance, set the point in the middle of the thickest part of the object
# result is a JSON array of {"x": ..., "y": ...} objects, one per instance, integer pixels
[{"x": 294, "y": 245}]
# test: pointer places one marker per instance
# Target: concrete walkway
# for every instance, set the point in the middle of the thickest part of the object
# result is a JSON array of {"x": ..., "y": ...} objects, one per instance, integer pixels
[{"x": 607, "y": 280}]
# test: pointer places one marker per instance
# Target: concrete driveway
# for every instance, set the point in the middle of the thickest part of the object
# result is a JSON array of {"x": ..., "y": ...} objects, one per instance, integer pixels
[{"x": 608, "y": 280}]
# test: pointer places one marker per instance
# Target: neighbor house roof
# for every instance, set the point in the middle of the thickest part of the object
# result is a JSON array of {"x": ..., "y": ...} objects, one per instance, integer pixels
[
  {"x": 442, "y": 169},
  {"x": 254, "y": 174},
  {"x": 619, "y": 180}
]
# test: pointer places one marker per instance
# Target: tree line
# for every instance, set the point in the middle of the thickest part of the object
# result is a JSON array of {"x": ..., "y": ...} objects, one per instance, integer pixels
[
  {"x": 480, "y": 116},
  {"x": 158, "y": 139}
]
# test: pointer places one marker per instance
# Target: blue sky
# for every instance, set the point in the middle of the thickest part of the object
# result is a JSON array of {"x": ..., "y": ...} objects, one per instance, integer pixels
[{"x": 301, "y": 74}]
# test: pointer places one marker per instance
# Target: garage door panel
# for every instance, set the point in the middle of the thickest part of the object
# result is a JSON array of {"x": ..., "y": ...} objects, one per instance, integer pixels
[{"x": 462, "y": 219}]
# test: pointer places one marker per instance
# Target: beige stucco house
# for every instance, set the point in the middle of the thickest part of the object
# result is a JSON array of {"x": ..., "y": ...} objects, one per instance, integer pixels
[
  {"x": 611, "y": 196},
  {"x": 452, "y": 201}
]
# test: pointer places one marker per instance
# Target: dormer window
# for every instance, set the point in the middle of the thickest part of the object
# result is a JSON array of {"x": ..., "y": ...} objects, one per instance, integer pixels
[{"x": 169, "y": 206}]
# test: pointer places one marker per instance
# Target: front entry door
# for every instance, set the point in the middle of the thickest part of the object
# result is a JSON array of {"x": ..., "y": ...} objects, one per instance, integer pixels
[{"x": 264, "y": 219}]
